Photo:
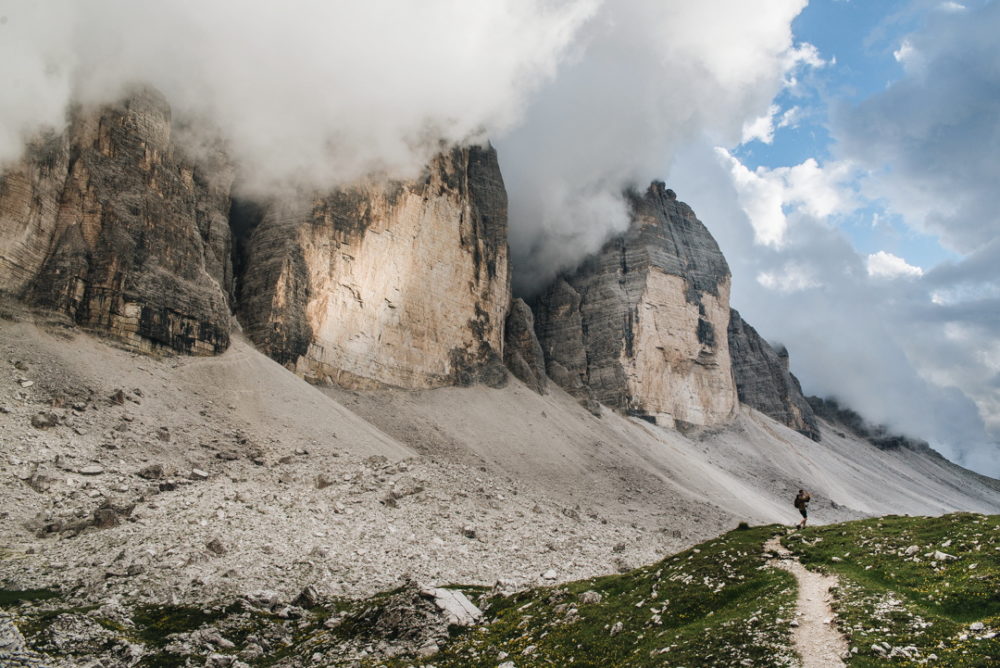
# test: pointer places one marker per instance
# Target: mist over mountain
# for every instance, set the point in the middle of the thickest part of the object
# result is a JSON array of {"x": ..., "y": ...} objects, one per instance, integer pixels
[{"x": 584, "y": 99}]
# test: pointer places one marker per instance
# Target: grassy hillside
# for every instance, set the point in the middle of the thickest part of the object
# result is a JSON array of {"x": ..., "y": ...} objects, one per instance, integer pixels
[
  {"x": 715, "y": 604},
  {"x": 913, "y": 590},
  {"x": 900, "y": 603}
]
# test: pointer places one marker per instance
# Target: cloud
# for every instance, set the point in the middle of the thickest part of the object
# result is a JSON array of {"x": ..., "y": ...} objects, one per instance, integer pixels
[
  {"x": 760, "y": 128},
  {"x": 306, "y": 93},
  {"x": 930, "y": 140},
  {"x": 904, "y": 53},
  {"x": 647, "y": 78},
  {"x": 770, "y": 198},
  {"x": 792, "y": 277},
  {"x": 887, "y": 265},
  {"x": 582, "y": 97}
]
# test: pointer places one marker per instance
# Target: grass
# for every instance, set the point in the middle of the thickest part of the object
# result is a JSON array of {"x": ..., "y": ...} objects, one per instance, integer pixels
[
  {"x": 716, "y": 604},
  {"x": 12, "y": 597},
  {"x": 897, "y": 594}
]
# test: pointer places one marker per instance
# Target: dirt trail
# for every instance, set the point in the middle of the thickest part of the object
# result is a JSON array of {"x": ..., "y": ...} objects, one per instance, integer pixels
[{"x": 816, "y": 637}]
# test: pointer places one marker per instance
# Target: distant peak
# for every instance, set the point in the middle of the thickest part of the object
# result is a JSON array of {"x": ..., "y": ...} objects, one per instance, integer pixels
[{"x": 660, "y": 189}]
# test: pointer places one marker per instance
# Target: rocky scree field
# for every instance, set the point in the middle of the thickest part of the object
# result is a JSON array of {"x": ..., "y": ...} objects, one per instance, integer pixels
[{"x": 718, "y": 602}]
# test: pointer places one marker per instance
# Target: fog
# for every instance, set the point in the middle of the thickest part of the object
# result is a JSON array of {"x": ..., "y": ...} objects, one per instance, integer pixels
[{"x": 584, "y": 98}]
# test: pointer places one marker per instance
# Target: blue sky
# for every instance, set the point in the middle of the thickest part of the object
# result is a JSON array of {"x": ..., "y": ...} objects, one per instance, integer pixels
[{"x": 859, "y": 40}]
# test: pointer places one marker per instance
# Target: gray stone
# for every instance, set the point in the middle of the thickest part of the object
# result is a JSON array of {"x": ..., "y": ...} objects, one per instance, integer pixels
[
  {"x": 44, "y": 420},
  {"x": 129, "y": 235},
  {"x": 92, "y": 469},
  {"x": 588, "y": 320},
  {"x": 522, "y": 352},
  {"x": 151, "y": 472},
  {"x": 763, "y": 380},
  {"x": 305, "y": 250}
]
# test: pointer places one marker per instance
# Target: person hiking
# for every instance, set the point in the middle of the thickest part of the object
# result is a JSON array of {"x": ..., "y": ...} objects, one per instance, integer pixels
[{"x": 802, "y": 500}]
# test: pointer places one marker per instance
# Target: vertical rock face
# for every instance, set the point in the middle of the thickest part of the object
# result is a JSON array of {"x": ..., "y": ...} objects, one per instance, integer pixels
[
  {"x": 111, "y": 225},
  {"x": 641, "y": 325},
  {"x": 386, "y": 284},
  {"x": 522, "y": 353},
  {"x": 763, "y": 380}
]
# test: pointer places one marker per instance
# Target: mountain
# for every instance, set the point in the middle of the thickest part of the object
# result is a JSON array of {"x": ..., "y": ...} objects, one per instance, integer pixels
[
  {"x": 398, "y": 284},
  {"x": 110, "y": 224},
  {"x": 336, "y": 390}
]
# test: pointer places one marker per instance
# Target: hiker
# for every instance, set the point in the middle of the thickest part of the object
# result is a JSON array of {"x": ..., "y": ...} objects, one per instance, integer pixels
[{"x": 801, "y": 501}]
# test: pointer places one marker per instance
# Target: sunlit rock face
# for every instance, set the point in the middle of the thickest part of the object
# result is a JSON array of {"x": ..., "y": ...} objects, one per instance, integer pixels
[
  {"x": 763, "y": 380},
  {"x": 112, "y": 225},
  {"x": 641, "y": 326},
  {"x": 386, "y": 283}
]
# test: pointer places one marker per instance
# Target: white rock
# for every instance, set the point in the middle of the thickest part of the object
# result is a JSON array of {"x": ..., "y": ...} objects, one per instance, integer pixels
[
  {"x": 942, "y": 556},
  {"x": 92, "y": 469},
  {"x": 198, "y": 474},
  {"x": 459, "y": 609},
  {"x": 911, "y": 550},
  {"x": 550, "y": 574}
]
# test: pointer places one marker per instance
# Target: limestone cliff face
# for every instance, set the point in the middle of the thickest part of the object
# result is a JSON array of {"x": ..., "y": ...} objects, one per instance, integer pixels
[
  {"x": 763, "y": 380},
  {"x": 641, "y": 326},
  {"x": 522, "y": 353},
  {"x": 111, "y": 225},
  {"x": 400, "y": 284}
]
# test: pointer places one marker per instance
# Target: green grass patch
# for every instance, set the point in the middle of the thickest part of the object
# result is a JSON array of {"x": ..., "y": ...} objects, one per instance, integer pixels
[
  {"x": 915, "y": 587},
  {"x": 716, "y": 604},
  {"x": 12, "y": 597}
]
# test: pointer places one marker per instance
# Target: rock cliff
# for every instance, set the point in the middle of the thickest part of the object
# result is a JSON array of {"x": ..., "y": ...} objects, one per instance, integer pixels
[
  {"x": 522, "y": 353},
  {"x": 386, "y": 283},
  {"x": 110, "y": 224},
  {"x": 763, "y": 380},
  {"x": 641, "y": 325}
]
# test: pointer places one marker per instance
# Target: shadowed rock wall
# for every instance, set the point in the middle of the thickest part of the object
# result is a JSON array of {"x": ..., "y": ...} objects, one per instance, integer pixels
[
  {"x": 763, "y": 380},
  {"x": 111, "y": 225}
]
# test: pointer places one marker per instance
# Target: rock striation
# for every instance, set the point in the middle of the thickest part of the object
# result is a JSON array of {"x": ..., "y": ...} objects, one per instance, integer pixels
[
  {"x": 641, "y": 325},
  {"x": 112, "y": 225},
  {"x": 763, "y": 380},
  {"x": 385, "y": 283}
]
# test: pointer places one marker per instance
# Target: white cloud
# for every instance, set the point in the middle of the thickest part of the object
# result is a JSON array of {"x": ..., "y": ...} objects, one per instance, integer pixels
[
  {"x": 770, "y": 196},
  {"x": 760, "y": 128},
  {"x": 311, "y": 92},
  {"x": 792, "y": 277},
  {"x": 951, "y": 6},
  {"x": 887, "y": 265},
  {"x": 649, "y": 77},
  {"x": 904, "y": 52},
  {"x": 790, "y": 117}
]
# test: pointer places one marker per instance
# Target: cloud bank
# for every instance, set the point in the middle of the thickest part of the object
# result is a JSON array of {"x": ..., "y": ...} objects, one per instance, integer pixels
[
  {"x": 915, "y": 347},
  {"x": 303, "y": 93},
  {"x": 583, "y": 98},
  {"x": 647, "y": 78}
]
